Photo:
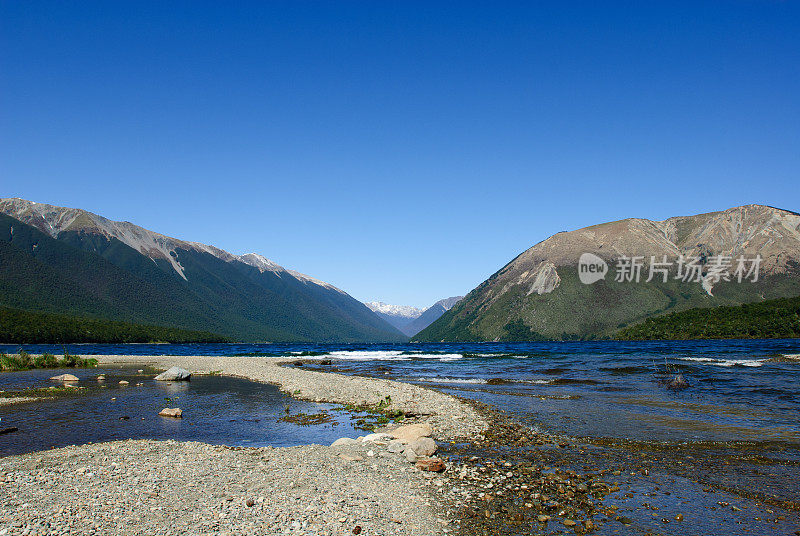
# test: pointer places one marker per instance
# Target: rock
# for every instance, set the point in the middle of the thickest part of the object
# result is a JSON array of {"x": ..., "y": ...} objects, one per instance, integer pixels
[
  {"x": 249, "y": 502},
  {"x": 410, "y": 455},
  {"x": 9, "y": 430},
  {"x": 174, "y": 374},
  {"x": 175, "y": 413},
  {"x": 569, "y": 523},
  {"x": 543, "y": 518},
  {"x": 679, "y": 517},
  {"x": 677, "y": 382},
  {"x": 396, "y": 446},
  {"x": 101, "y": 378},
  {"x": 424, "y": 446},
  {"x": 344, "y": 442},
  {"x": 376, "y": 437},
  {"x": 411, "y": 432},
  {"x": 65, "y": 378},
  {"x": 357, "y": 529},
  {"x": 123, "y": 382},
  {"x": 351, "y": 458},
  {"x": 430, "y": 464}
]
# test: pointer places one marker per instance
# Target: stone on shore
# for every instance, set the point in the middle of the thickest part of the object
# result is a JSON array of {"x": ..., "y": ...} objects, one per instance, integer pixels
[
  {"x": 430, "y": 464},
  {"x": 424, "y": 446},
  {"x": 174, "y": 374},
  {"x": 65, "y": 378},
  {"x": 380, "y": 436},
  {"x": 396, "y": 446},
  {"x": 344, "y": 442},
  {"x": 175, "y": 413},
  {"x": 411, "y": 432}
]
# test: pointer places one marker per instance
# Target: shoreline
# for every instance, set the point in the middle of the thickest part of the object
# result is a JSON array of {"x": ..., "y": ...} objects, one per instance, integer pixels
[
  {"x": 501, "y": 476},
  {"x": 172, "y": 487}
]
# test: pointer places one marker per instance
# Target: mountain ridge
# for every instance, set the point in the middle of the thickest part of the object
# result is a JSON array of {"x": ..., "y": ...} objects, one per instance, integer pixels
[
  {"x": 77, "y": 262},
  {"x": 539, "y": 290}
]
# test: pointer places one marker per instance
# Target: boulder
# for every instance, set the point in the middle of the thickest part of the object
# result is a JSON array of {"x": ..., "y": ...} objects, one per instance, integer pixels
[
  {"x": 411, "y": 432},
  {"x": 124, "y": 382},
  {"x": 376, "y": 437},
  {"x": 424, "y": 446},
  {"x": 101, "y": 378},
  {"x": 396, "y": 446},
  {"x": 65, "y": 378},
  {"x": 344, "y": 442},
  {"x": 175, "y": 413},
  {"x": 430, "y": 464},
  {"x": 410, "y": 454},
  {"x": 174, "y": 374}
]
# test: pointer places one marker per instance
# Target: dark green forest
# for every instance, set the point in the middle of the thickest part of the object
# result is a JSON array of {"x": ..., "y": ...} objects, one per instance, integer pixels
[
  {"x": 770, "y": 319},
  {"x": 17, "y": 326}
]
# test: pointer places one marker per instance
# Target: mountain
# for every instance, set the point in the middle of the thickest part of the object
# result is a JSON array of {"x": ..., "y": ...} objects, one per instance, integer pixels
[
  {"x": 398, "y": 316},
  {"x": 430, "y": 315},
  {"x": 540, "y": 294},
  {"x": 411, "y": 320},
  {"x": 70, "y": 261}
]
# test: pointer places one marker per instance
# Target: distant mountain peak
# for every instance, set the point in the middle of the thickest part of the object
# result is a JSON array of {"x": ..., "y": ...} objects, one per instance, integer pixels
[
  {"x": 405, "y": 311},
  {"x": 448, "y": 303}
]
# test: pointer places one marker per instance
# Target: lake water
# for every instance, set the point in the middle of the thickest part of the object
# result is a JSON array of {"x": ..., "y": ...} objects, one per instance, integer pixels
[
  {"x": 738, "y": 390},
  {"x": 217, "y": 410},
  {"x": 732, "y": 435}
]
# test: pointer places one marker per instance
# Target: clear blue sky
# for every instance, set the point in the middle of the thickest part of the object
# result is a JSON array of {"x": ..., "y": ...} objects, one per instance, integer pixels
[{"x": 402, "y": 151}]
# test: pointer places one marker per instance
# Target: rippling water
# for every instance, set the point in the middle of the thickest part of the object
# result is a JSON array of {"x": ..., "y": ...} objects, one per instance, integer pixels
[{"x": 737, "y": 390}]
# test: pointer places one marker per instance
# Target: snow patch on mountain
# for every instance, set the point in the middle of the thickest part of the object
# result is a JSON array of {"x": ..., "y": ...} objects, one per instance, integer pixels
[{"x": 405, "y": 311}]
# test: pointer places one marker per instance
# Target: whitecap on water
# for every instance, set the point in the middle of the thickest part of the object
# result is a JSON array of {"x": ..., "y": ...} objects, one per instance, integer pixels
[
  {"x": 725, "y": 362},
  {"x": 388, "y": 355}
]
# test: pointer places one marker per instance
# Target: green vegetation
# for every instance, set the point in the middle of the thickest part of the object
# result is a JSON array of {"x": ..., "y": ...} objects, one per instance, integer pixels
[
  {"x": 24, "y": 361},
  {"x": 308, "y": 419},
  {"x": 83, "y": 273},
  {"x": 370, "y": 418},
  {"x": 25, "y": 327},
  {"x": 517, "y": 331},
  {"x": 574, "y": 311},
  {"x": 763, "y": 320}
]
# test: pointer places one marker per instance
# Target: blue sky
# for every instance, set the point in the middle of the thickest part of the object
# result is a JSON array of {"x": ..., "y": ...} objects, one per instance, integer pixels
[{"x": 402, "y": 151}]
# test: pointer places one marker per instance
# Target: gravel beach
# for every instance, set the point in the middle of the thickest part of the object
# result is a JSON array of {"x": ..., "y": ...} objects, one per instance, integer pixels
[{"x": 168, "y": 487}]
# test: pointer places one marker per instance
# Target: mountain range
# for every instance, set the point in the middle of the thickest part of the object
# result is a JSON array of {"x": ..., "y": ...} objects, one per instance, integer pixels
[
  {"x": 540, "y": 294},
  {"x": 411, "y": 320},
  {"x": 71, "y": 261}
]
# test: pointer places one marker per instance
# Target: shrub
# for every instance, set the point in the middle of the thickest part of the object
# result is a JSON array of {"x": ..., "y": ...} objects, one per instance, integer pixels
[{"x": 45, "y": 361}]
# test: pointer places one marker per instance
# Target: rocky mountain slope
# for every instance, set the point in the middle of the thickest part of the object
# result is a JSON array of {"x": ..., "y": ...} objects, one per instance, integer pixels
[
  {"x": 430, "y": 315},
  {"x": 540, "y": 294},
  {"x": 70, "y": 261}
]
